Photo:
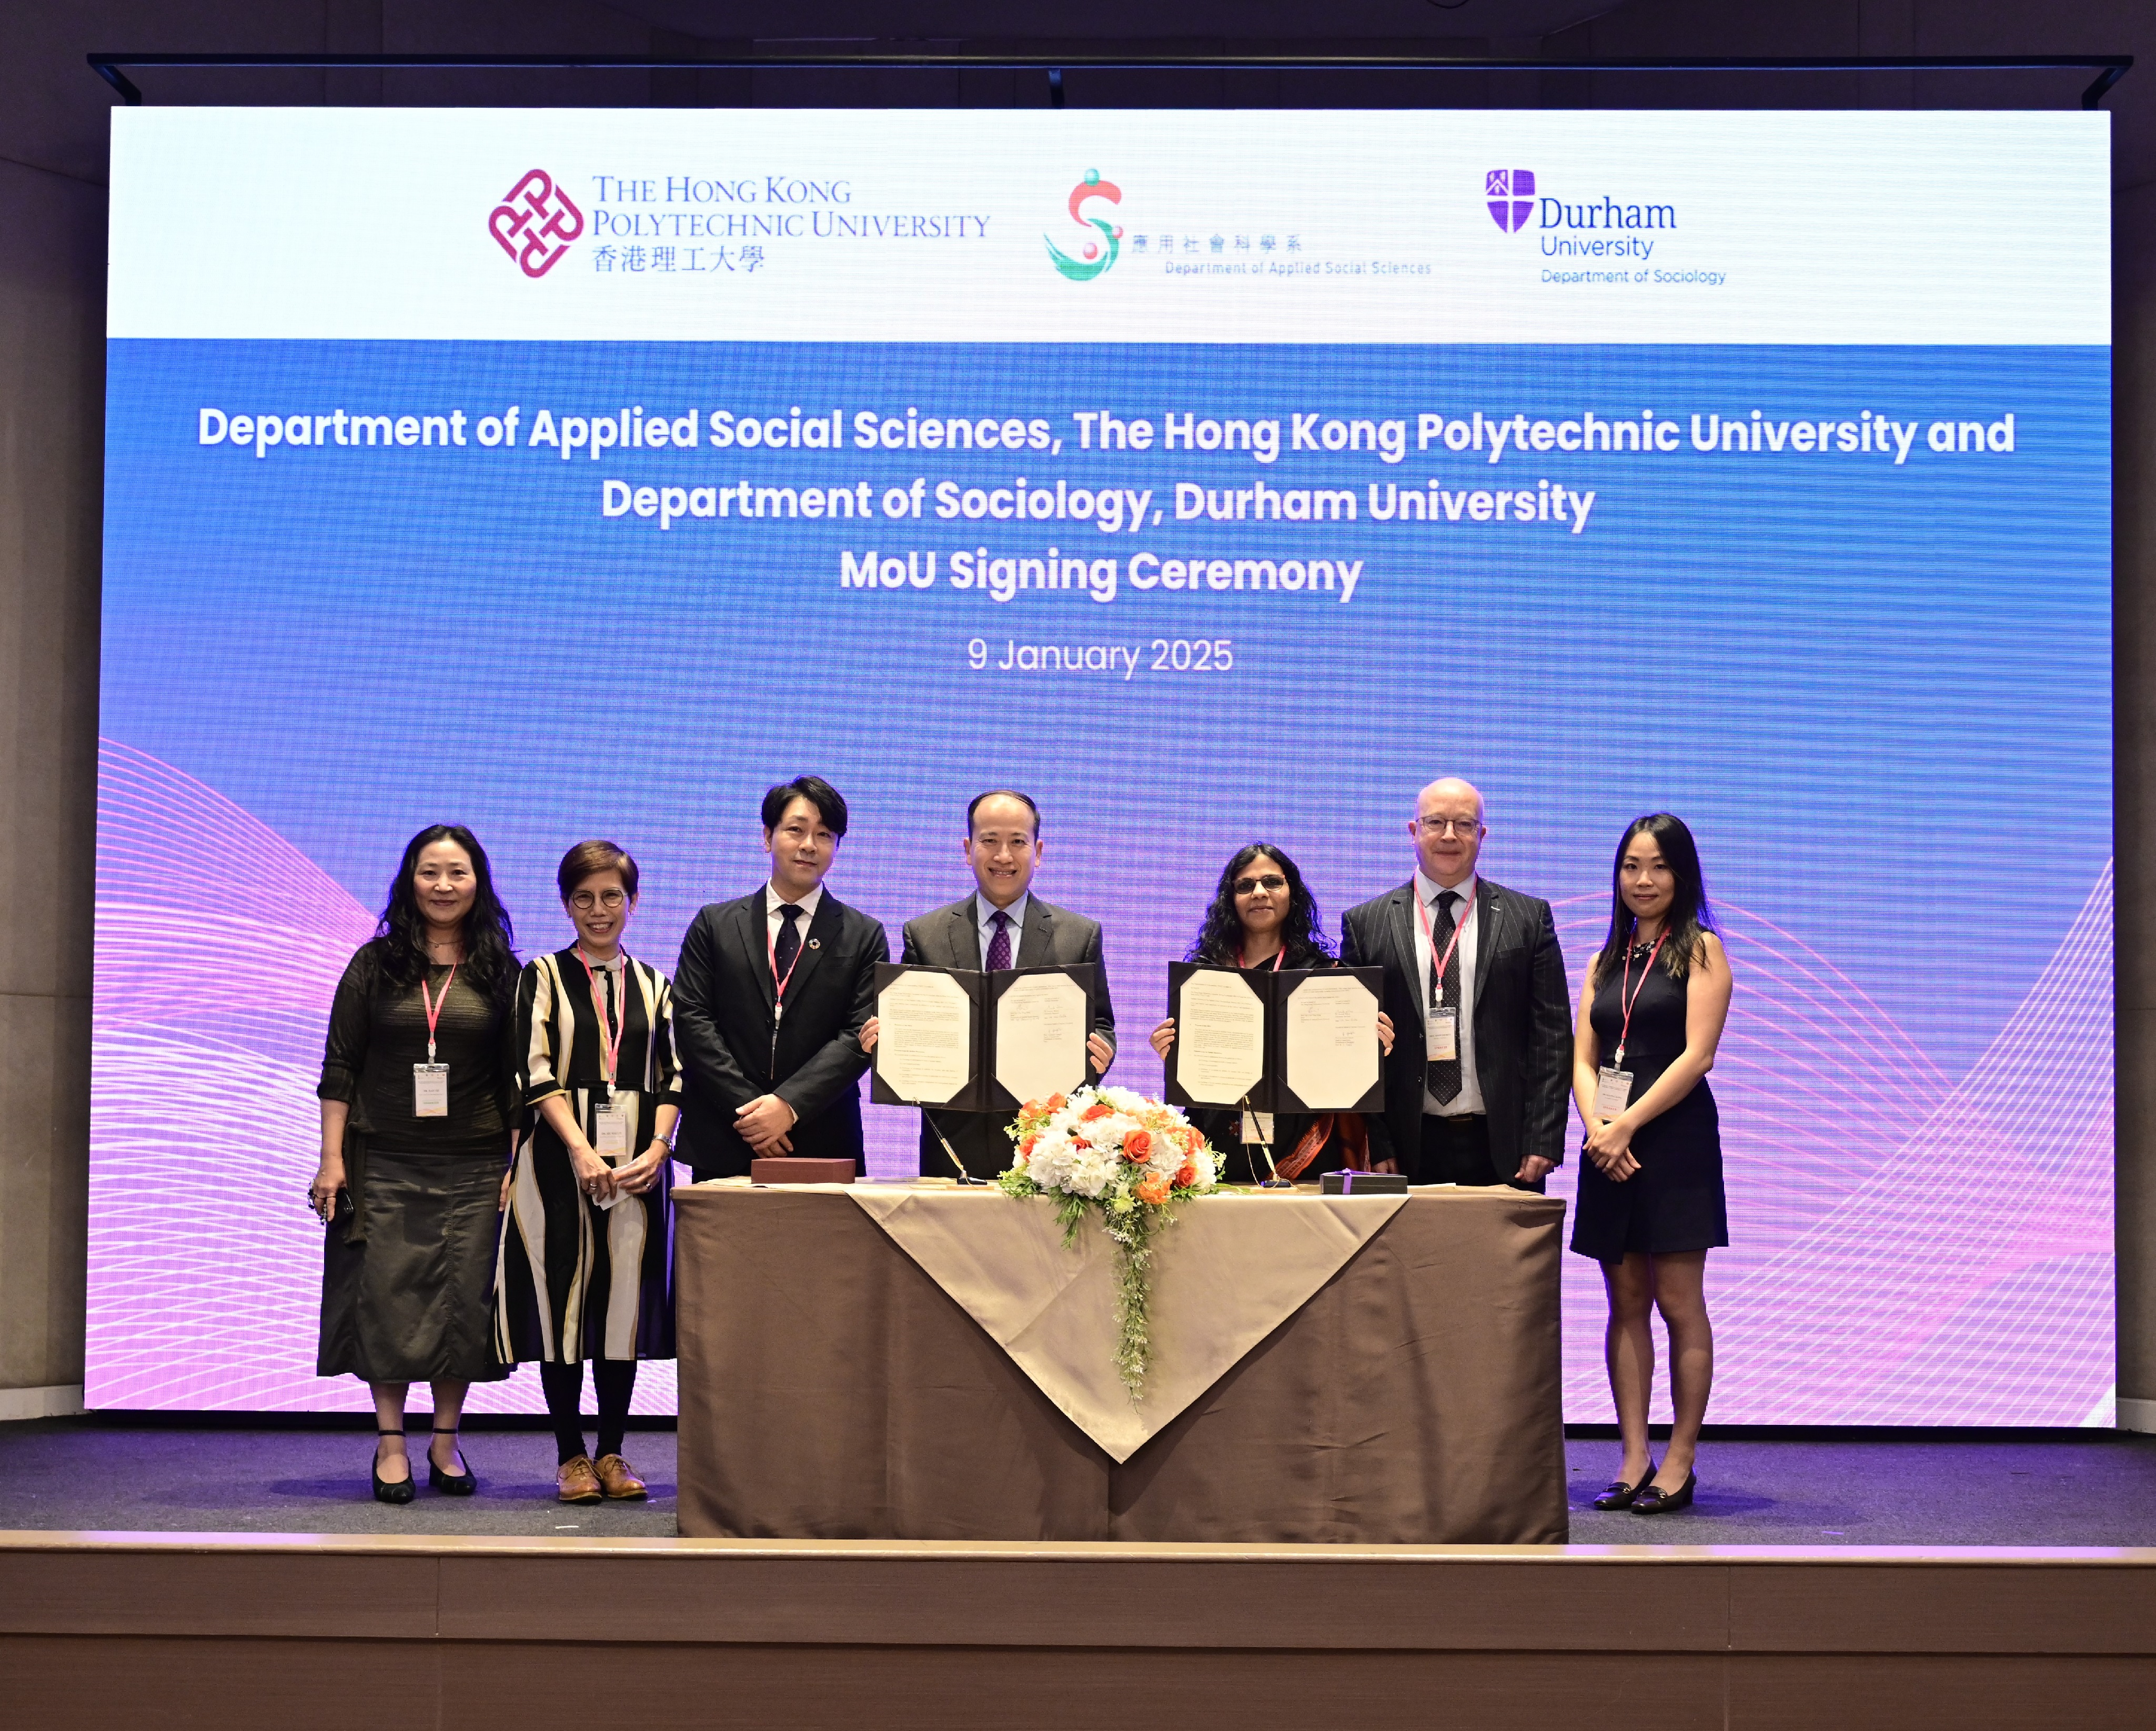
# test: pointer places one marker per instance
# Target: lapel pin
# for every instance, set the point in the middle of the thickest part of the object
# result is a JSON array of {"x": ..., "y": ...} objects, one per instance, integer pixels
[{"x": 815, "y": 943}]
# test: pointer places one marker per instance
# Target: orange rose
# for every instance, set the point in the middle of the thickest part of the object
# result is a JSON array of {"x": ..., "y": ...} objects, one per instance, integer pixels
[
  {"x": 1055, "y": 1102},
  {"x": 1026, "y": 1146},
  {"x": 1152, "y": 1189},
  {"x": 1137, "y": 1146},
  {"x": 1099, "y": 1108},
  {"x": 1186, "y": 1173}
]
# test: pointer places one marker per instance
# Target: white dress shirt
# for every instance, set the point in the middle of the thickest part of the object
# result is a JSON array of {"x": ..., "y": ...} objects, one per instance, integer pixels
[
  {"x": 984, "y": 914},
  {"x": 774, "y": 901},
  {"x": 1428, "y": 889}
]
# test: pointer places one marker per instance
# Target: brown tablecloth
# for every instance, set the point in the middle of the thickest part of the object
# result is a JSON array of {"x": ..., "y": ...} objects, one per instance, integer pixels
[{"x": 830, "y": 1389}]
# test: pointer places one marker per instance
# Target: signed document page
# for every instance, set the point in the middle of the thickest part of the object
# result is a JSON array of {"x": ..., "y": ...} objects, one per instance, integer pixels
[
  {"x": 1041, "y": 1024},
  {"x": 925, "y": 1051},
  {"x": 1219, "y": 1038},
  {"x": 1331, "y": 1039}
]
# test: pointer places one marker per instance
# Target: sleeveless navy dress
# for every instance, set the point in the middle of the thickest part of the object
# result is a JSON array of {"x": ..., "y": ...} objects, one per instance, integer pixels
[{"x": 1674, "y": 1201}]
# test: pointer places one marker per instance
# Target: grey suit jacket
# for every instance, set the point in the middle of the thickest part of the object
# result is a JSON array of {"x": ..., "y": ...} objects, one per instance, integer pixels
[{"x": 951, "y": 938}]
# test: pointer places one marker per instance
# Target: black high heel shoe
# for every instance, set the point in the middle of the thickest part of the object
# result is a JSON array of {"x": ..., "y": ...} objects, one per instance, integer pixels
[
  {"x": 450, "y": 1484},
  {"x": 1653, "y": 1501},
  {"x": 1621, "y": 1495},
  {"x": 403, "y": 1491}
]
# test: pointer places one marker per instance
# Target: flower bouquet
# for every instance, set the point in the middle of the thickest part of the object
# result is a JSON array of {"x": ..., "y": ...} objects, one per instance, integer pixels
[{"x": 1129, "y": 1159}]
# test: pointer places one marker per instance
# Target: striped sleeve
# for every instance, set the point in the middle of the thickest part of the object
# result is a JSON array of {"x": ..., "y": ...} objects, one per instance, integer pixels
[
  {"x": 537, "y": 1062},
  {"x": 664, "y": 1069}
]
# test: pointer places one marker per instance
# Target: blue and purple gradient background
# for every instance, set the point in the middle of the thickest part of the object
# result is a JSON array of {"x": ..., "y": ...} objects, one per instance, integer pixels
[{"x": 1879, "y": 694}]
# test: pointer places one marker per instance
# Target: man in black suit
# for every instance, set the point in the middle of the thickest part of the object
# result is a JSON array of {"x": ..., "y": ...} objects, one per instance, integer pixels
[
  {"x": 769, "y": 999},
  {"x": 1002, "y": 924},
  {"x": 1480, "y": 1077}
]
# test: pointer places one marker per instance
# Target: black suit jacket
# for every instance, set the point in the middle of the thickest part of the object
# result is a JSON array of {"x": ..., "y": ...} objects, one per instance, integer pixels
[
  {"x": 723, "y": 1029},
  {"x": 951, "y": 938},
  {"x": 1522, "y": 1022}
]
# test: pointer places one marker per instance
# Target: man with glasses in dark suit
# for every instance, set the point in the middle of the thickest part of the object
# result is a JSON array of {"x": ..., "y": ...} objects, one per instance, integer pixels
[{"x": 1480, "y": 1077}]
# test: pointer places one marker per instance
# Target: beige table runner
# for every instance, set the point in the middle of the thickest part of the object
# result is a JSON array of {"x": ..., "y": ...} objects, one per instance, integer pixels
[{"x": 1230, "y": 1270}]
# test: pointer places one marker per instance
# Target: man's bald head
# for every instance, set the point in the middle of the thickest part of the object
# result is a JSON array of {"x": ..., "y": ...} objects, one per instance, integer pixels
[
  {"x": 1447, "y": 790},
  {"x": 1448, "y": 829}
]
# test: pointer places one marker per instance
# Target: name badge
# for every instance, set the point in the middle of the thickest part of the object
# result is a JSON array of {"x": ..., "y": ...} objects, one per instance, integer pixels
[
  {"x": 610, "y": 1133},
  {"x": 1440, "y": 1033},
  {"x": 1258, "y": 1127},
  {"x": 430, "y": 1090},
  {"x": 1613, "y": 1092}
]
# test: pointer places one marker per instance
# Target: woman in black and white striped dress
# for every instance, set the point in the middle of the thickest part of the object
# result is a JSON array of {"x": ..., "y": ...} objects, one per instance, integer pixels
[{"x": 587, "y": 1245}]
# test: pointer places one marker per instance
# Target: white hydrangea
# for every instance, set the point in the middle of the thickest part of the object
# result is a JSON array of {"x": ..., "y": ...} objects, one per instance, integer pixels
[
  {"x": 1090, "y": 1171},
  {"x": 1049, "y": 1164}
]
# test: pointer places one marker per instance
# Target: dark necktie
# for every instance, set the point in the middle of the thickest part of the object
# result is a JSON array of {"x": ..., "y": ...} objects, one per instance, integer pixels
[
  {"x": 613, "y": 1017},
  {"x": 788, "y": 945},
  {"x": 1444, "y": 1074},
  {"x": 999, "y": 944}
]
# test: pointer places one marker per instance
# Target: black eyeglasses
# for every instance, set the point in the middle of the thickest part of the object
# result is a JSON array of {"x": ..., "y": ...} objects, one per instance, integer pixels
[{"x": 1251, "y": 886}]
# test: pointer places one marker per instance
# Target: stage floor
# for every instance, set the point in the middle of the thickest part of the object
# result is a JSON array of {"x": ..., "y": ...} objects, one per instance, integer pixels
[{"x": 93, "y": 1475}]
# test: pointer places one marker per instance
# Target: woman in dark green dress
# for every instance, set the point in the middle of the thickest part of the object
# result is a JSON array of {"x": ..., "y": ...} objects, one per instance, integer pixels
[{"x": 419, "y": 1108}]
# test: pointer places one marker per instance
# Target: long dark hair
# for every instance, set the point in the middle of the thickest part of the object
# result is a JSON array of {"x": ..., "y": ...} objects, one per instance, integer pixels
[
  {"x": 1690, "y": 918},
  {"x": 1219, "y": 939},
  {"x": 489, "y": 941}
]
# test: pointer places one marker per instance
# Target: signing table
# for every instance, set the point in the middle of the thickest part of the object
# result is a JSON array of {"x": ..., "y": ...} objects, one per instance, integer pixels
[{"x": 886, "y": 1362}]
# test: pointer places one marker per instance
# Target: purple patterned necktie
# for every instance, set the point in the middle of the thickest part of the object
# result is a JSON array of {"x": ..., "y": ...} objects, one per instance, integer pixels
[{"x": 999, "y": 944}]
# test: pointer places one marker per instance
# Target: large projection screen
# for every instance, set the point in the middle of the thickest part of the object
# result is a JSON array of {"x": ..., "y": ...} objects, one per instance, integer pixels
[{"x": 1212, "y": 477}]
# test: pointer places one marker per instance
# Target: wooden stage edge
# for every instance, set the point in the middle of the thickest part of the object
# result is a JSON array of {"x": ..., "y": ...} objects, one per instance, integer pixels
[{"x": 235, "y": 1629}]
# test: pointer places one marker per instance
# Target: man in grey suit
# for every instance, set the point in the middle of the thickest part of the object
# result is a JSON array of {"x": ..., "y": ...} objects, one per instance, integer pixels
[
  {"x": 1002, "y": 924},
  {"x": 1473, "y": 969}
]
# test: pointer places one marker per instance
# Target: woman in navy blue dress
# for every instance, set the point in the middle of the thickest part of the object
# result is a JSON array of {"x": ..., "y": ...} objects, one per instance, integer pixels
[{"x": 1651, "y": 1198}]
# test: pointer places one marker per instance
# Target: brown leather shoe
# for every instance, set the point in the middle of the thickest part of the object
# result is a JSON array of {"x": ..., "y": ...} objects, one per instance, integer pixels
[
  {"x": 620, "y": 1484},
  {"x": 578, "y": 1482}
]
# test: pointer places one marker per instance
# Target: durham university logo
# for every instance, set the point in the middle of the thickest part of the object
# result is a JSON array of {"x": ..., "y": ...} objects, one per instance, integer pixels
[
  {"x": 1092, "y": 261},
  {"x": 1512, "y": 195}
]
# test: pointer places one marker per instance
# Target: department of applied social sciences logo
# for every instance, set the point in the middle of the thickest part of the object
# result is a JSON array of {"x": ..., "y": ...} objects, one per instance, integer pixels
[
  {"x": 1510, "y": 193},
  {"x": 534, "y": 224},
  {"x": 1091, "y": 260}
]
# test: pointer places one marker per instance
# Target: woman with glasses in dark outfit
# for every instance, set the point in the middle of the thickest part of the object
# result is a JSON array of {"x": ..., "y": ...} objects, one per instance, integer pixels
[
  {"x": 1263, "y": 916},
  {"x": 1651, "y": 1197},
  {"x": 418, "y": 1106},
  {"x": 586, "y": 1252}
]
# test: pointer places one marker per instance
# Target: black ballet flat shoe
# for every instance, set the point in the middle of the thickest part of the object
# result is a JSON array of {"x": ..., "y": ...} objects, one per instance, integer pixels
[
  {"x": 402, "y": 1491},
  {"x": 1654, "y": 1501},
  {"x": 450, "y": 1484},
  {"x": 1621, "y": 1495}
]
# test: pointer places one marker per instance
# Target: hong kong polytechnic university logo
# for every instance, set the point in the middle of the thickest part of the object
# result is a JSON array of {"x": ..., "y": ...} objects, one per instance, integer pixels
[
  {"x": 1512, "y": 195},
  {"x": 536, "y": 222},
  {"x": 1092, "y": 261}
]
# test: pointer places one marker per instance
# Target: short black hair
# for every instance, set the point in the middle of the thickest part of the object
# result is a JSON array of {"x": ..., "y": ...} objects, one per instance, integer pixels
[
  {"x": 829, "y": 806},
  {"x": 587, "y": 859},
  {"x": 1024, "y": 800}
]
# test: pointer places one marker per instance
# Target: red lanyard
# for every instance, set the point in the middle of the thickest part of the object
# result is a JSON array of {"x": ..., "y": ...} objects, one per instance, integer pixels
[
  {"x": 771, "y": 949},
  {"x": 1627, "y": 1002},
  {"x": 1439, "y": 964},
  {"x": 609, "y": 1044},
  {"x": 434, "y": 1006},
  {"x": 1278, "y": 955}
]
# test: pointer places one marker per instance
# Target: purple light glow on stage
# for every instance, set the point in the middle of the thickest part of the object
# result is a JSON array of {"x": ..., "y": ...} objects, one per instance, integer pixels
[{"x": 1909, "y": 1248}]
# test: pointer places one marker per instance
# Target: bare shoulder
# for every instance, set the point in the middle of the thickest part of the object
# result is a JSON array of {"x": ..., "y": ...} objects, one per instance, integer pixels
[{"x": 1711, "y": 953}]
